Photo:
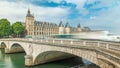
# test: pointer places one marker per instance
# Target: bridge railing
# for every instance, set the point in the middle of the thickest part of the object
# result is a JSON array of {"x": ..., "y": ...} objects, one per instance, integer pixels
[{"x": 103, "y": 44}]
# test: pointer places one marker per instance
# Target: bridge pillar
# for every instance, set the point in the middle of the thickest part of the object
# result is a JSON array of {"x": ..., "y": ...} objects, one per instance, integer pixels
[
  {"x": 7, "y": 50},
  {"x": 1, "y": 47},
  {"x": 29, "y": 60}
]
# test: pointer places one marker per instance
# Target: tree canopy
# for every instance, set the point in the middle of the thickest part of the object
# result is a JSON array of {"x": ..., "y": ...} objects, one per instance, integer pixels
[
  {"x": 18, "y": 28},
  {"x": 5, "y": 28}
]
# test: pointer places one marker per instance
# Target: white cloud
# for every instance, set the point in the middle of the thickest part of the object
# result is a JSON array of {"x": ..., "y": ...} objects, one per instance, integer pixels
[
  {"x": 79, "y": 5},
  {"x": 16, "y": 11},
  {"x": 12, "y": 11},
  {"x": 51, "y": 14},
  {"x": 107, "y": 20}
]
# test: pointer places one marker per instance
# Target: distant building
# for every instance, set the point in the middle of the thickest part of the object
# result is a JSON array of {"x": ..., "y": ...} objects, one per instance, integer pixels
[{"x": 40, "y": 29}]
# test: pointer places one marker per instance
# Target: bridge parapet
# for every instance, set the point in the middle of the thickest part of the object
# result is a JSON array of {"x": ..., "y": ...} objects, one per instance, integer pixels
[
  {"x": 71, "y": 45},
  {"x": 103, "y": 44}
]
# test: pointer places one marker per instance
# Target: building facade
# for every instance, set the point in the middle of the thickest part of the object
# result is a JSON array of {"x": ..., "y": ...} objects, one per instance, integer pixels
[{"x": 43, "y": 29}]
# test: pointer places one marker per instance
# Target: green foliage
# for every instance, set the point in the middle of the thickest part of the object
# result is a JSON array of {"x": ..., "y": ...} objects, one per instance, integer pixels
[
  {"x": 5, "y": 28},
  {"x": 18, "y": 28}
]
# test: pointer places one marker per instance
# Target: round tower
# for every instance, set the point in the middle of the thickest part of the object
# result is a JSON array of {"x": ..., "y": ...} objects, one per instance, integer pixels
[
  {"x": 67, "y": 28},
  {"x": 61, "y": 28}
]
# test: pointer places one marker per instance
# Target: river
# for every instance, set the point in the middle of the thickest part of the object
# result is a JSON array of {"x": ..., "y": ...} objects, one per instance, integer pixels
[{"x": 16, "y": 60}]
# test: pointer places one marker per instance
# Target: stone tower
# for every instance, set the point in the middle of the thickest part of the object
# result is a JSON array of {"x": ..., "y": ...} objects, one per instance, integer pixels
[
  {"x": 29, "y": 23},
  {"x": 79, "y": 28},
  {"x": 67, "y": 28},
  {"x": 61, "y": 28}
]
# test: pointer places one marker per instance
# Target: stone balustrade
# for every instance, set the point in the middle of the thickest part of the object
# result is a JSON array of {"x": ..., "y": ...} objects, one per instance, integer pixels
[
  {"x": 93, "y": 50},
  {"x": 103, "y": 44}
]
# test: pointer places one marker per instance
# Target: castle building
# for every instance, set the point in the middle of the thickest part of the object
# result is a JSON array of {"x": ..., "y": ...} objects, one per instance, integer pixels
[{"x": 43, "y": 29}]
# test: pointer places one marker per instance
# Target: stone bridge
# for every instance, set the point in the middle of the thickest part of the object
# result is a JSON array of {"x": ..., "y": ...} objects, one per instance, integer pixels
[{"x": 102, "y": 53}]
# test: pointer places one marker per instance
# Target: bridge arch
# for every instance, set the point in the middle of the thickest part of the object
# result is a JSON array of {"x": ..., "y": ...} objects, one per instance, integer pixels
[
  {"x": 50, "y": 56},
  {"x": 3, "y": 45},
  {"x": 16, "y": 47},
  {"x": 56, "y": 54},
  {"x": 88, "y": 52}
]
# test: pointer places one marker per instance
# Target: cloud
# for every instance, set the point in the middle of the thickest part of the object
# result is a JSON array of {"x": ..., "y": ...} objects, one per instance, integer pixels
[
  {"x": 12, "y": 11},
  {"x": 79, "y": 5},
  {"x": 97, "y": 14},
  {"x": 16, "y": 11},
  {"x": 107, "y": 20},
  {"x": 49, "y": 13}
]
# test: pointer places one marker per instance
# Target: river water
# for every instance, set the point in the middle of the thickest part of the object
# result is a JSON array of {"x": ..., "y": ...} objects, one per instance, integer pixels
[{"x": 17, "y": 61}]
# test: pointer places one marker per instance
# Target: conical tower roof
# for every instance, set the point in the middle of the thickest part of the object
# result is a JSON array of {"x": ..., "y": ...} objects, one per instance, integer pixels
[
  {"x": 67, "y": 24},
  {"x": 29, "y": 13},
  {"x": 61, "y": 24},
  {"x": 79, "y": 25}
]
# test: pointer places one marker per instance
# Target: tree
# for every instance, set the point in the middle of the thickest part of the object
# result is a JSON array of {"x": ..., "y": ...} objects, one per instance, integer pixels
[
  {"x": 18, "y": 28},
  {"x": 5, "y": 28}
]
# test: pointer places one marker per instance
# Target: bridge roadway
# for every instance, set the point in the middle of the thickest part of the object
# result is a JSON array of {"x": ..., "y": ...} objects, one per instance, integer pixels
[{"x": 102, "y": 53}]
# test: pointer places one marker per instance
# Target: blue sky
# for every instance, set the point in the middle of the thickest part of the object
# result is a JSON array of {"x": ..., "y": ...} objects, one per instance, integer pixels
[{"x": 96, "y": 14}]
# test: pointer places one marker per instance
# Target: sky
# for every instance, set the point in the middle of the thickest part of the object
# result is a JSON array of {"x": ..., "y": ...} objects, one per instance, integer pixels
[{"x": 96, "y": 14}]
